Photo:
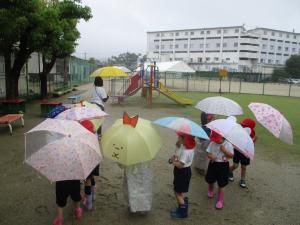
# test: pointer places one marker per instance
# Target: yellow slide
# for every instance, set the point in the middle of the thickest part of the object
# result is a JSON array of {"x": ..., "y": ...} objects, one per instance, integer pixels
[{"x": 171, "y": 94}]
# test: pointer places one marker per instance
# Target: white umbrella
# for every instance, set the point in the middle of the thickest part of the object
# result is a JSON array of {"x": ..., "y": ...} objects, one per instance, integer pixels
[
  {"x": 273, "y": 121},
  {"x": 62, "y": 150},
  {"x": 220, "y": 106},
  {"x": 235, "y": 134}
]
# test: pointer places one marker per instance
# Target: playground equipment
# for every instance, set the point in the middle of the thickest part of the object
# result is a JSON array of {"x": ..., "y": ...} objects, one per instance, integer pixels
[{"x": 146, "y": 79}]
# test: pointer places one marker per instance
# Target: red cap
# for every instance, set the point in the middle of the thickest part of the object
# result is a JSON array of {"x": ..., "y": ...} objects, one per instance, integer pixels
[
  {"x": 210, "y": 117},
  {"x": 251, "y": 124},
  {"x": 215, "y": 137},
  {"x": 88, "y": 125}
]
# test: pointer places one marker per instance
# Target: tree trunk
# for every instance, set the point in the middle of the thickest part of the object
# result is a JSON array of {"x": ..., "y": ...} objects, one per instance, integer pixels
[
  {"x": 7, "y": 62},
  {"x": 44, "y": 76}
]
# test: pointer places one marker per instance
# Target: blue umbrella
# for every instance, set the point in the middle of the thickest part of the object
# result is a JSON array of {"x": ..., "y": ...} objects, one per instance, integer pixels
[{"x": 183, "y": 125}]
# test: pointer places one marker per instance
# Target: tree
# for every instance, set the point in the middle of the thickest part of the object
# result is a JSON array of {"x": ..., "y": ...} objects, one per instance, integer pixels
[
  {"x": 292, "y": 66},
  {"x": 279, "y": 73},
  {"x": 21, "y": 34},
  {"x": 62, "y": 34},
  {"x": 127, "y": 59}
]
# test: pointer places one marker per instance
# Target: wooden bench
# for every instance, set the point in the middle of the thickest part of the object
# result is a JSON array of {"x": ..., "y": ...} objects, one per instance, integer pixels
[
  {"x": 74, "y": 99},
  {"x": 47, "y": 106},
  {"x": 12, "y": 105},
  {"x": 10, "y": 118}
]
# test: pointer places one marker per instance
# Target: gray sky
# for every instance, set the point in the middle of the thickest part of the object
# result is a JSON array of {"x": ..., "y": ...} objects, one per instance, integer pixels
[{"x": 118, "y": 26}]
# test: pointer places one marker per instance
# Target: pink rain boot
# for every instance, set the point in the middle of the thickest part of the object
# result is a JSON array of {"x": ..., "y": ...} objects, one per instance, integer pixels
[
  {"x": 78, "y": 213},
  {"x": 219, "y": 204},
  {"x": 57, "y": 221},
  {"x": 210, "y": 192}
]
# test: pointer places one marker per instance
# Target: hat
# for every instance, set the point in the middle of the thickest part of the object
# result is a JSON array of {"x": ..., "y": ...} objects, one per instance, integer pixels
[
  {"x": 210, "y": 117},
  {"x": 251, "y": 124},
  {"x": 88, "y": 125},
  {"x": 215, "y": 137},
  {"x": 189, "y": 140}
]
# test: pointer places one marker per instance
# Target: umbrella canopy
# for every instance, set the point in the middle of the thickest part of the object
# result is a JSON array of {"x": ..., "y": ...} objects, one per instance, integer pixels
[
  {"x": 130, "y": 145},
  {"x": 273, "y": 121},
  {"x": 109, "y": 71},
  {"x": 235, "y": 134},
  {"x": 96, "y": 122},
  {"x": 81, "y": 113},
  {"x": 62, "y": 150},
  {"x": 220, "y": 106},
  {"x": 183, "y": 125}
]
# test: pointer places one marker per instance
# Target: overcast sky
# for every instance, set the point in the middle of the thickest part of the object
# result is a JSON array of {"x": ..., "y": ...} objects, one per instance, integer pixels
[{"x": 119, "y": 26}]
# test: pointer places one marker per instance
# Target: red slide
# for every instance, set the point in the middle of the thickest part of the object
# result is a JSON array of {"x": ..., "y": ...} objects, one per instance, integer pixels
[{"x": 134, "y": 86}]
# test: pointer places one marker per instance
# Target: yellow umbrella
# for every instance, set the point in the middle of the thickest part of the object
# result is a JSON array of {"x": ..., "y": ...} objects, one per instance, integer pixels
[
  {"x": 109, "y": 71},
  {"x": 130, "y": 145},
  {"x": 96, "y": 122}
]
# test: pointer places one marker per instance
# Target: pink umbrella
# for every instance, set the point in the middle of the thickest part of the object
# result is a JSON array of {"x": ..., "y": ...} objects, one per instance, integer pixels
[
  {"x": 273, "y": 121},
  {"x": 81, "y": 113},
  {"x": 62, "y": 150}
]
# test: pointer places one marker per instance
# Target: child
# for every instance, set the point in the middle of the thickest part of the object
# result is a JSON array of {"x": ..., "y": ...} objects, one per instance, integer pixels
[
  {"x": 89, "y": 184},
  {"x": 182, "y": 161},
  {"x": 219, "y": 150},
  {"x": 239, "y": 157}
]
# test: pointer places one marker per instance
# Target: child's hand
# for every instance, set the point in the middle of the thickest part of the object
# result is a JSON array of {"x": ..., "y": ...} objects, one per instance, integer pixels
[
  {"x": 213, "y": 157},
  {"x": 174, "y": 158}
]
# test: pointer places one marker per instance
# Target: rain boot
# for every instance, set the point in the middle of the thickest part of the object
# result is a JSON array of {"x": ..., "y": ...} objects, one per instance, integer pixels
[
  {"x": 58, "y": 221},
  {"x": 181, "y": 212},
  {"x": 88, "y": 202},
  {"x": 210, "y": 192},
  {"x": 78, "y": 213},
  {"x": 186, "y": 202},
  {"x": 219, "y": 204},
  {"x": 93, "y": 189}
]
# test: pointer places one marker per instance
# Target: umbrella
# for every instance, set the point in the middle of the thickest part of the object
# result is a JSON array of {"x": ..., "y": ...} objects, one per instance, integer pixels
[
  {"x": 183, "y": 125},
  {"x": 82, "y": 113},
  {"x": 96, "y": 122},
  {"x": 235, "y": 134},
  {"x": 62, "y": 150},
  {"x": 130, "y": 145},
  {"x": 109, "y": 71},
  {"x": 273, "y": 121},
  {"x": 220, "y": 106}
]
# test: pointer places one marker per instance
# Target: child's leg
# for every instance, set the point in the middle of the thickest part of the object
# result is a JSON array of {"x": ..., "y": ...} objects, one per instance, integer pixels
[
  {"x": 210, "y": 192},
  {"x": 77, "y": 210},
  {"x": 59, "y": 216},
  {"x": 243, "y": 172},
  {"x": 233, "y": 167},
  {"x": 179, "y": 198},
  {"x": 93, "y": 188},
  {"x": 88, "y": 203}
]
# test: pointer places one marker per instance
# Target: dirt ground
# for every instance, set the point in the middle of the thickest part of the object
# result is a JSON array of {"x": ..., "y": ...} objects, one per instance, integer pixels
[{"x": 26, "y": 198}]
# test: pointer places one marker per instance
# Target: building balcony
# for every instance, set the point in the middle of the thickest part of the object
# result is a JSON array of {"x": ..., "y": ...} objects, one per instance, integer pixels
[
  {"x": 249, "y": 41},
  {"x": 249, "y": 55},
  {"x": 249, "y": 48}
]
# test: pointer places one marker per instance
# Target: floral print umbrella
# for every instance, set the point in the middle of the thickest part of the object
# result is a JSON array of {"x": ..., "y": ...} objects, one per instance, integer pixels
[
  {"x": 62, "y": 150},
  {"x": 273, "y": 121}
]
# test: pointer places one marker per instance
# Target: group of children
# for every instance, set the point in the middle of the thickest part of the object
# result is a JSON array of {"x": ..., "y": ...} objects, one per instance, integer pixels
[{"x": 218, "y": 151}]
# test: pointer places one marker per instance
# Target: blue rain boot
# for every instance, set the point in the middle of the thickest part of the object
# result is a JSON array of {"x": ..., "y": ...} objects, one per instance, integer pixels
[
  {"x": 88, "y": 203},
  {"x": 186, "y": 202},
  {"x": 181, "y": 212}
]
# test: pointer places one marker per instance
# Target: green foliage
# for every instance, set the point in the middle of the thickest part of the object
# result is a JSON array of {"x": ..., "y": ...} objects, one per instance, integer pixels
[
  {"x": 292, "y": 66},
  {"x": 127, "y": 59},
  {"x": 279, "y": 73}
]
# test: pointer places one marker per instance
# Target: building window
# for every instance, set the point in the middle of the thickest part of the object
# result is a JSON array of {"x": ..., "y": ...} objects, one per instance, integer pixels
[
  {"x": 202, "y": 32},
  {"x": 280, "y": 34},
  {"x": 265, "y": 32},
  {"x": 192, "y": 33},
  {"x": 225, "y": 31},
  {"x": 219, "y": 31},
  {"x": 171, "y": 46},
  {"x": 208, "y": 32},
  {"x": 287, "y": 35},
  {"x": 186, "y": 33},
  {"x": 271, "y": 47},
  {"x": 235, "y": 44},
  {"x": 176, "y": 34},
  {"x": 286, "y": 49},
  {"x": 162, "y": 34},
  {"x": 207, "y": 59},
  {"x": 191, "y": 45},
  {"x": 270, "y": 61},
  {"x": 157, "y": 46},
  {"x": 199, "y": 60},
  {"x": 261, "y": 60},
  {"x": 216, "y": 59},
  {"x": 185, "y": 46},
  {"x": 264, "y": 46},
  {"x": 227, "y": 59},
  {"x": 293, "y": 49},
  {"x": 277, "y": 61},
  {"x": 273, "y": 33},
  {"x": 224, "y": 45},
  {"x": 191, "y": 59},
  {"x": 157, "y": 35},
  {"x": 171, "y": 34},
  {"x": 176, "y": 46},
  {"x": 218, "y": 45},
  {"x": 279, "y": 48},
  {"x": 295, "y": 37},
  {"x": 162, "y": 47},
  {"x": 236, "y": 30},
  {"x": 201, "y": 45},
  {"x": 207, "y": 45}
]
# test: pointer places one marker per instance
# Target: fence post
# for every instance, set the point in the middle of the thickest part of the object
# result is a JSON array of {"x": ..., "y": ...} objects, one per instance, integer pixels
[
  {"x": 208, "y": 83},
  {"x": 290, "y": 86},
  {"x": 187, "y": 83},
  {"x": 166, "y": 79},
  {"x": 263, "y": 91},
  {"x": 229, "y": 83},
  {"x": 240, "y": 85}
]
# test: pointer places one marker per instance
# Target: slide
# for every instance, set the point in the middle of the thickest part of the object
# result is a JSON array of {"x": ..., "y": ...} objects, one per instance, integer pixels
[
  {"x": 134, "y": 87},
  {"x": 170, "y": 94}
]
